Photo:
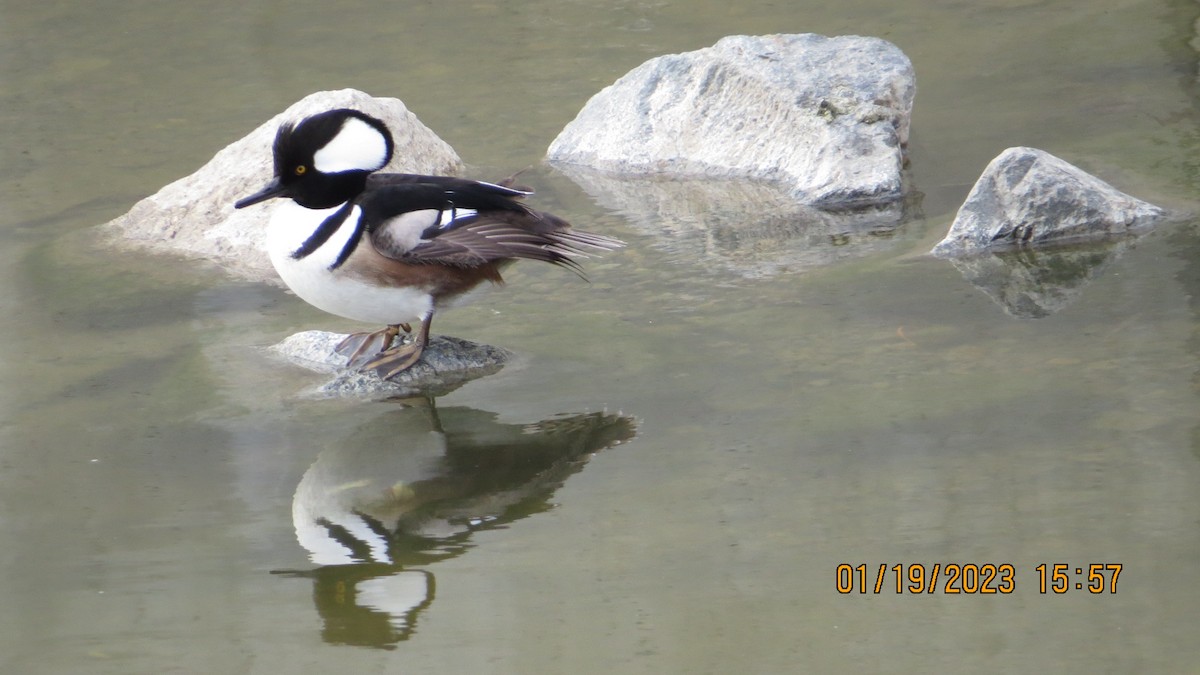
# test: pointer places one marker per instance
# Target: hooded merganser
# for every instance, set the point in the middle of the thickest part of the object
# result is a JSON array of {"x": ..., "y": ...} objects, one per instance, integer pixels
[{"x": 394, "y": 248}]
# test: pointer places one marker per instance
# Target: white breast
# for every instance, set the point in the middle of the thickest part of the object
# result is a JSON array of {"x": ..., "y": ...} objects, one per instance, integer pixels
[{"x": 335, "y": 291}]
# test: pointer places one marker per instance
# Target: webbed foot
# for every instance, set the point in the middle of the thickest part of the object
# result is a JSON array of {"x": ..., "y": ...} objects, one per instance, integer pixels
[
  {"x": 391, "y": 362},
  {"x": 359, "y": 348}
]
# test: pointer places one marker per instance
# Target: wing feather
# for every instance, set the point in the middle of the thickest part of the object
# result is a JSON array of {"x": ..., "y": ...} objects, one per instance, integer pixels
[{"x": 465, "y": 223}]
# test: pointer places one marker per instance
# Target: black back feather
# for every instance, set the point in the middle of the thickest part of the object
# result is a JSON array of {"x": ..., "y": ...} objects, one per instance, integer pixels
[{"x": 501, "y": 229}]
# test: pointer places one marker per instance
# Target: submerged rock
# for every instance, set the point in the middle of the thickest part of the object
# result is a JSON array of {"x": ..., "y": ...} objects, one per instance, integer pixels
[
  {"x": 446, "y": 364},
  {"x": 1028, "y": 197},
  {"x": 194, "y": 216},
  {"x": 825, "y": 118}
]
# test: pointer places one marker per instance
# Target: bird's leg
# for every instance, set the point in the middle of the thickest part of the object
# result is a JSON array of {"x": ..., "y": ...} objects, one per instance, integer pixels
[
  {"x": 396, "y": 360},
  {"x": 359, "y": 347}
]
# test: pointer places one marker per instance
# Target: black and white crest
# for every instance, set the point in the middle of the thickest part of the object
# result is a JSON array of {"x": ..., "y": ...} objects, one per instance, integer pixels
[{"x": 332, "y": 142}]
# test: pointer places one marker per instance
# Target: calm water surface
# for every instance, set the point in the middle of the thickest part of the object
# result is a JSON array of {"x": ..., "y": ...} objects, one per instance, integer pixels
[{"x": 669, "y": 477}]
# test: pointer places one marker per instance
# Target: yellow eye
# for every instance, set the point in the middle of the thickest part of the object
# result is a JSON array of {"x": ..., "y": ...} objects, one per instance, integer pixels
[{"x": 301, "y": 169}]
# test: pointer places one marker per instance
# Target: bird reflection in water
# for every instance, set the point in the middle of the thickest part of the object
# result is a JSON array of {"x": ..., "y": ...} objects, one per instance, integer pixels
[{"x": 409, "y": 489}]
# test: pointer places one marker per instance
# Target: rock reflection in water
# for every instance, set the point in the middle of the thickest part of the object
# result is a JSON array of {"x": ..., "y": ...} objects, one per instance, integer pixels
[
  {"x": 752, "y": 229},
  {"x": 1031, "y": 284},
  {"x": 409, "y": 489}
]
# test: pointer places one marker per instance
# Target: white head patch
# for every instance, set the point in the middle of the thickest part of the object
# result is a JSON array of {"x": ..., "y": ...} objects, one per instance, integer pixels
[{"x": 357, "y": 146}]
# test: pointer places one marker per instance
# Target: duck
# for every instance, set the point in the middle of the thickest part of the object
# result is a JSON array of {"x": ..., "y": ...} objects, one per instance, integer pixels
[{"x": 395, "y": 248}]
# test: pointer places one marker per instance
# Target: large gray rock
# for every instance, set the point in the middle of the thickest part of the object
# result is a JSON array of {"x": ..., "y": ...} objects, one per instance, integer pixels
[
  {"x": 1028, "y": 197},
  {"x": 825, "y": 118},
  {"x": 194, "y": 216},
  {"x": 446, "y": 364}
]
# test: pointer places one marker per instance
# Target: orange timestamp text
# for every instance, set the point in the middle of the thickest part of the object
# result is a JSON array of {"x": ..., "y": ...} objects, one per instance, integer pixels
[{"x": 973, "y": 579}]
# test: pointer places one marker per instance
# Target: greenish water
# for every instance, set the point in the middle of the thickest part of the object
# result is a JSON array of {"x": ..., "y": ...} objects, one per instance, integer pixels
[{"x": 879, "y": 411}]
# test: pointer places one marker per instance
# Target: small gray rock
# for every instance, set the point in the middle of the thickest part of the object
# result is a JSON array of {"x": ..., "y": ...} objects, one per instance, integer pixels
[
  {"x": 826, "y": 118},
  {"x": 1029, "y": 197},
  {"x": 194, "y": 216},
  {"x": 446, "y": 364}
]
